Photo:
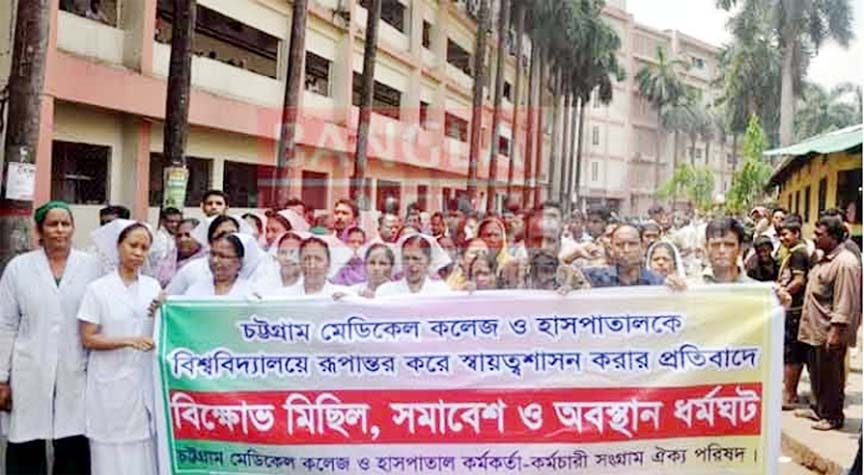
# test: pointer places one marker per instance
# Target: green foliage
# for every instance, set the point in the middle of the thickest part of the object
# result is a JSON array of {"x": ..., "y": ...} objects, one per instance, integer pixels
[
  {"x": 821, "y": 111},
  {"x": 748, "y": 183},
  {"x": 694, "y": 183},
  {"x": 660, "y": 83},
  {"x": 763, "y": 30}
]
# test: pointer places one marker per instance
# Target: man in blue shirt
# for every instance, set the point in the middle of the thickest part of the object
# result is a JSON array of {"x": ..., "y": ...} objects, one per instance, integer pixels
[{"x": 627, "y": 265}]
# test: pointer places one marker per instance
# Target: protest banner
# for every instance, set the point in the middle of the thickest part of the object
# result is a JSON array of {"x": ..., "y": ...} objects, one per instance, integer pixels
[{"x": 642, "y": 380}]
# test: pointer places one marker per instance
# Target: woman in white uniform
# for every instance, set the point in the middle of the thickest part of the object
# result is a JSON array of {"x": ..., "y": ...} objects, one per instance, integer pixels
[
  {"x": 232, "y": 260},
  {"x": 416, "y": 258},
  {"x": 42, "y": 362},
  {"x": 380, "y": 261},
  {"x": 314, "y": 266},
  {"x": 199, "y": 269},
  {"x": 284, "y": 271},
  {"x": 117, "y": 328}
]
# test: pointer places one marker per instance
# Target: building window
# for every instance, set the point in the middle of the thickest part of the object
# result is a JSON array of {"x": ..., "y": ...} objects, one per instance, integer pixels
[
  {"x": 224, "y": 39},
  {"x": 503, "y": 146},
  {"x": 789, "y": 201},
  {"x": 595, "y": 135},
  {"x": 313, "y": 190},
  {"x": 424, "y": 114},
  {"x": 798, "y": 202},
  {"x": 456, "y": 127},
  {"x": 392, "y": 13},
  {"x": 200, "y": 170},
  {"x": 248, "y": 184},
  {"x": 697, "y": 63},
  {"x": 458, "y": 57},
  {"x": 508, "y": 91},
  {"x": 317, "y": 74},
  {"x": 104, "y": 11},
  {"x": 822, "y": 197},
  {"x": 595, "y": 171},
  {"x": 806, "y": 213},
  {"x": 698, "y": 152},
  {"x": 385, "y": 99},
  {"x": 388, "y": 193},
  {"x": 79, "y": 172},
  {"x": 427, "y": 34},
  {"x": 849, "y": 194},
  {"x": 423, "y": 197}
]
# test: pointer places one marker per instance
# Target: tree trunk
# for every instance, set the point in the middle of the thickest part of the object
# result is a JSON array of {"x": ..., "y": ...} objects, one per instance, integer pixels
[
  {"x": 787, "y": 95},
  {"x": 578, "y": 106},
  {"x": 578, "y": 178},
  {"x": 26, "y": 84},
  {"x": 477, "y": 100},
  {"x": 708, "y": 152},
  {"x": 674, "y": 150},
  {"x": 291, "y": 104},
  {"x": 692, "y": 150},
  {"x": 359, "y": 188},
  {"x": 734, "y": 152},
  {"x": 179, "y": 81},
  {"x": 529, "y": 133},
  {"x": 495, "y": 146},
  {"x": 657, "y": 158},
  {"x": 565, "y": 142},
  {"x": 520, "y": 30},
  {"x": 538, "y": 160},
  {"x": 556, "y": 130}
]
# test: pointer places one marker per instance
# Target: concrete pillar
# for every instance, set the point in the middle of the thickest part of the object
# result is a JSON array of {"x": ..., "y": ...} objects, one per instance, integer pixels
[
  {"x": 134, "y": 174},
  {"x": 343, "y": 71},
  {"x": 138, "y": 20},
  {"x": 42, "y": 192}
]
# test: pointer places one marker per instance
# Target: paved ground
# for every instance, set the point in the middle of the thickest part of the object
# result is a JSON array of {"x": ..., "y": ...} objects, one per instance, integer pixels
[
  {"x": 832, "y": 452},
  {"x": 789, "y": 467}
]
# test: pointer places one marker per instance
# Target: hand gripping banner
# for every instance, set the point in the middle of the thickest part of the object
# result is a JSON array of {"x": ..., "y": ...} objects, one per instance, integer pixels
[{"x": 641, "y": 380}]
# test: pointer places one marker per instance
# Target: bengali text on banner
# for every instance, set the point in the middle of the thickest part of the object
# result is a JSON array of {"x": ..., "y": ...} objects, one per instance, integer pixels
[{"x": 519, "y": 382}]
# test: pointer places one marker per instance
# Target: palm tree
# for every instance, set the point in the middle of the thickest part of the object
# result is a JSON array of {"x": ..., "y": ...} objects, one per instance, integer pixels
[
  {"x": 660, "y": 84},
  {"x": 821, "y": 111},
  {"x": 517, "y": 94},
  {"x": 674, "y": 119},
  {"x": 479, "y": 70},
  {"x": 25, "y": 87},
  {"x": 359, "y": 189},
  {"x": 530, "y": 132},
  {"x": 800, "y": 24},
  {"x": 503, "y": 27},
  {"x": 845, "y": 88},
  {"x": 547, "y": 20},
  {"x": 595, "y": 67},
  {"x": 291, "y": 103}
]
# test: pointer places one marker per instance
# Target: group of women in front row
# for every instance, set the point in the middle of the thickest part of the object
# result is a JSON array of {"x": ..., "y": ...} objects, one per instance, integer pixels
[{"x": 96, "y": 406}]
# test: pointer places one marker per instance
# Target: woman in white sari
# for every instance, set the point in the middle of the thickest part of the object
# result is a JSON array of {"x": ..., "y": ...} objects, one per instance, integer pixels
[
  {"x": 315, "y": 264},
  {"x": 116, "y": 326},
  {"x": 417, "y": 257},
  {"x": 199, "y": 269},
  {"x": 232, "y": 260},
  {"x": 379, "y": 262},
  {"x": 281, "y": 267},
  {"x": 663, "y": 258}
]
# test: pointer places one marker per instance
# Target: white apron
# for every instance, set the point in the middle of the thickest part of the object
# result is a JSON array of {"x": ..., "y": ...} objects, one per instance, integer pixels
[
  {"x": 119, "y": 398},
  {"x": 40, "y": 346}
]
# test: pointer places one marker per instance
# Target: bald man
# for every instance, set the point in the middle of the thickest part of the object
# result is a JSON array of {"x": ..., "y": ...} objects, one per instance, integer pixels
[{"x": 627, "y": 267}]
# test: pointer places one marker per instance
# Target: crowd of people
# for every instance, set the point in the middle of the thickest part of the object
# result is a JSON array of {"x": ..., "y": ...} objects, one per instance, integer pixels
[{"x": 75, "y": 327}]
